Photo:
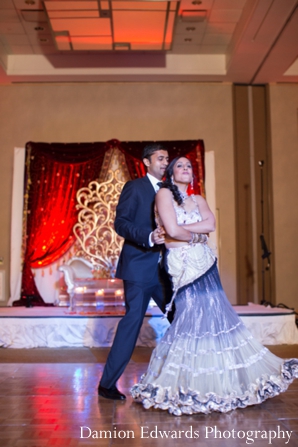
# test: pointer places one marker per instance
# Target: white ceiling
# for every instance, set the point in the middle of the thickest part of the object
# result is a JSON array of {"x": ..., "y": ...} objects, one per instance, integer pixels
[{"x": 239, "y": 41}]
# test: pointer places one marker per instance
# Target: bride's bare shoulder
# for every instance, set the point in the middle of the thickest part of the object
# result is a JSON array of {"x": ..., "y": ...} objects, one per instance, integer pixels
[
  {"x": 202, "y": 204},
  {"x": 200, "y": 199}
]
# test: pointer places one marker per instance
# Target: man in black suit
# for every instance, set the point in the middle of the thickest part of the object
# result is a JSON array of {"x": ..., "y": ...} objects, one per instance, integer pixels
[{"x": 138, "y": 264}]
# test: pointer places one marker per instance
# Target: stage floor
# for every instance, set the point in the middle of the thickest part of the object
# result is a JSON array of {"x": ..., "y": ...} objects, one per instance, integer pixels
[{"x": 56, "y": 327}]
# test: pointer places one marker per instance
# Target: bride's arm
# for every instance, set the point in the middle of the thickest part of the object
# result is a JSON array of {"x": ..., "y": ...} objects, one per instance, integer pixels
[
  {"x": 167, "y": 214},
  {"x": 207, "y": 224}
]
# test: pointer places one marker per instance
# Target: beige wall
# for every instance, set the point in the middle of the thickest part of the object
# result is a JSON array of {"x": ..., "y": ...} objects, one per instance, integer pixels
[
  {"x": 125, "y": 111},
  {"x": 284, "y": 143}
]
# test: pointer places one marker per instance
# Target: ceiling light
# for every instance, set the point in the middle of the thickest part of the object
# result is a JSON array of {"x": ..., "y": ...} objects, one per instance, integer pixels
[
  {"x": 196, "y": 2},
  {"x": 34, "y": 15},
  {"x": 112, "y": 25},
  {"x": 190, "y": 28},
  {"x": 193, "y": 15},
  {"x": 39, "y": 28},
  {"x": 30, "y": 2},
  {"x": 122, "y": 46},
  {"x": 105, "y": 13}
]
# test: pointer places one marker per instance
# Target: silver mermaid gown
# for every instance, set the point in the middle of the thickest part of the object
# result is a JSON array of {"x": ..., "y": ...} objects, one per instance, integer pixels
[{"x": 207, "y": 360}]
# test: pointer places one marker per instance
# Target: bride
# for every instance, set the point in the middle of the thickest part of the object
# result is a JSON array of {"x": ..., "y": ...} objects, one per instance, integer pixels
[{"x": 207, "y": 360}]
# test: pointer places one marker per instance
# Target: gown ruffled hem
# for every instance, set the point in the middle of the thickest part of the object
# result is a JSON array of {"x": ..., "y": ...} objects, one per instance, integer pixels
[{"x": 192, "y": 402}]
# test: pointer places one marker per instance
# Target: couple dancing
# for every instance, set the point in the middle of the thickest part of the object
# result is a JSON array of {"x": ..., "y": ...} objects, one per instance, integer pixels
[{"x": 207, "y": 360}]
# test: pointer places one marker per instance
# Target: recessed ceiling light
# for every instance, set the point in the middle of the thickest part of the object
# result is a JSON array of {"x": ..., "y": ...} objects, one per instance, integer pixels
[
  {"x": 196, "y": 2},
  {"x": 122, "y": 46},
  {"x": 33, "y": 15},
  {"x": 190, "y": 28},
  {"x": 187, "y": 39},
  {"x": 30, "y": 2},
  {"x": 43, "y": 40},
  {"x": 193, "y": 15},
  {"x": 39, "y": 28}
]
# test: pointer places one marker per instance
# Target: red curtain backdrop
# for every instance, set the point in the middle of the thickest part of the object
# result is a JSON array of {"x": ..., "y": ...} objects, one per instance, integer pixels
[
  {"x": 54, "y": 173},
  {"x": 192, "y": 149}
]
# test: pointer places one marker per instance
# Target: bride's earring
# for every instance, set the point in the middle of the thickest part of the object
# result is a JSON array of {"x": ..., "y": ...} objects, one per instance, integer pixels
[{"x": 172, "y": 180}]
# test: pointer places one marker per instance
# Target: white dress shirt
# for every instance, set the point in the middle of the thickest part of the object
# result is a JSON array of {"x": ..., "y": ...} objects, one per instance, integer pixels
[{"x": 154, "y": 182}]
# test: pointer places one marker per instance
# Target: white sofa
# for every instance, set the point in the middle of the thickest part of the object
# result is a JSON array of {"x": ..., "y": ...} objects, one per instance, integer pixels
[{"x": 86, "y": 289}]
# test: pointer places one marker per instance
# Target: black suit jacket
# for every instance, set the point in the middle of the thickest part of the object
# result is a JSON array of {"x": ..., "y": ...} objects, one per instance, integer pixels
[{"x": 134, "y": 221}]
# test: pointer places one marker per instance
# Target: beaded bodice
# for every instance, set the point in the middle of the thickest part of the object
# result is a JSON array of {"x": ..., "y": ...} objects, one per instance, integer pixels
[{"x": 184, "y": 217}]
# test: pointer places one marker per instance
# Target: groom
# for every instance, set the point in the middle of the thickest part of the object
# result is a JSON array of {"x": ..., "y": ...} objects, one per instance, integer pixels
[{"x": 138, "y": 264}]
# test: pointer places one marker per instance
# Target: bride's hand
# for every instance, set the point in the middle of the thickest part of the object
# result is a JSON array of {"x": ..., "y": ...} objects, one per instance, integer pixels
[
  {"x": 203, "y": 238},
  {"x": 199, "y": 238}
]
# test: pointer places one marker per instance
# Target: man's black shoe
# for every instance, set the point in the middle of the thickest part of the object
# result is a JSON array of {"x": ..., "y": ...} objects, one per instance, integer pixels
[{"x": 110, "y": 393}]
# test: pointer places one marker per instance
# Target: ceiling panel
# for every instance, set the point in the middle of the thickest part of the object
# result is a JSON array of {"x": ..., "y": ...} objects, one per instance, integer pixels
[
  {"x": 282, "y": 55},
  {"x": 60, "y": 5},
  {"x": 186, "y": 48},
  {"x": 36, "y": 27},
  {"x": 44, "y": 49},
  {"x": 73, "y": 14},
  {"x": 216, "y": 39},
  {"x": 142, "y": 46},
  {"x": 225, "y": 15},
  {"x": 189, "y": 28},
  {"x": 11, "y": 28},
  {"x": 6, "y": 4},
  {"x": 213, "y": 49},
  {"x": 229, "y": 4},
  {"x": 40, "y": 39},
  {"x": 220, "y": 28},
  {"x": 185, "y": 39},
  {"x": 248, "y": 54},
  {"x": 83, "y": 27},
  {"x": 10, "y": 15},
  {"x": 21, "y": 4},
  {"x": 94, "y": 43},
  {"x": 16, "y": 39},
  {"x": 139, "y": 6},
  {"x": 139, "y": 26},
  {"x": 21, "y": 49}
]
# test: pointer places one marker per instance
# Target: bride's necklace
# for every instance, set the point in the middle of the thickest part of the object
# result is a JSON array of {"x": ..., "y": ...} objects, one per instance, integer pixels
[{"x": 183, "y": 196}]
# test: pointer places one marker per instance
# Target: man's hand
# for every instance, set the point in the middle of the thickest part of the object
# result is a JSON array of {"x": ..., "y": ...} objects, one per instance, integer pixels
[{"x": 158, "y": 236}]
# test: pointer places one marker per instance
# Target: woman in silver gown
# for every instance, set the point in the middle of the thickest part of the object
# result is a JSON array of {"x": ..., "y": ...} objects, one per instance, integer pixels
[{"x": 207, "y": 360}]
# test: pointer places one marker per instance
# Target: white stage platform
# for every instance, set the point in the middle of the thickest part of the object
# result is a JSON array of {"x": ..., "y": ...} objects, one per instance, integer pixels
[{"x": 55, "y": 327}]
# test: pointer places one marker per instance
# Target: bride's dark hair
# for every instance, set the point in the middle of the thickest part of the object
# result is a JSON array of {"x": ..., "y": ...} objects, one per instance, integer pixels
[{"x": 167, "y": 183}]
